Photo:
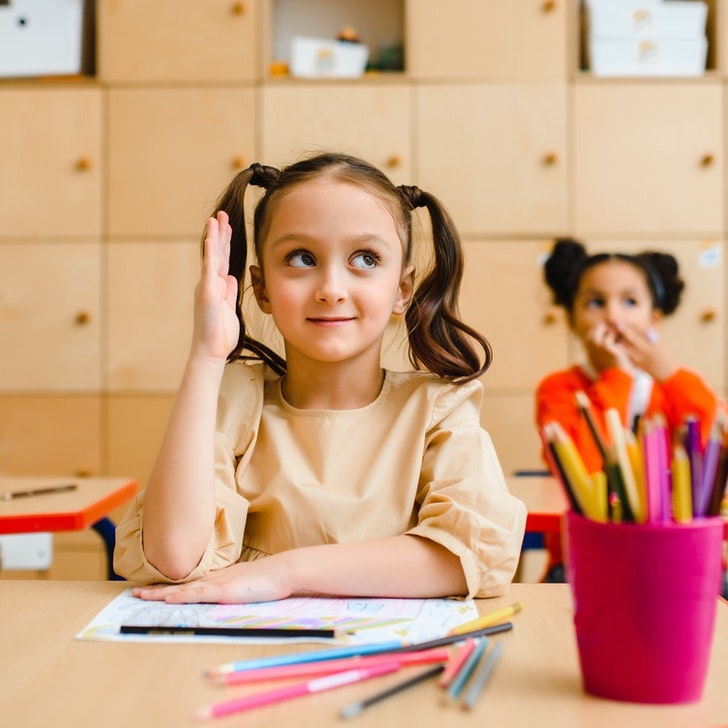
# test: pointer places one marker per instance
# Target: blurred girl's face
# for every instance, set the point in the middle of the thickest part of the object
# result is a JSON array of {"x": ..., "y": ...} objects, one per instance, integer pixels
[{"x": 614, "y": 293}]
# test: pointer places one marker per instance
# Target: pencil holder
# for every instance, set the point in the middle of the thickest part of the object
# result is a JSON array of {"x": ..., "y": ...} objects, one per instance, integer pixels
[{"x": 645, "y": 599}]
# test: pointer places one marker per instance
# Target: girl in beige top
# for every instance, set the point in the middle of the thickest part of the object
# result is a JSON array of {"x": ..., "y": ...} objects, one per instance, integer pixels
[{"x": 349, "y": 479}]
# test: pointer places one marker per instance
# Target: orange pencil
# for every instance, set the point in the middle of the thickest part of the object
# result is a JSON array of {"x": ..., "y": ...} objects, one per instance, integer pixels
[{"x": 456, "y": 662}]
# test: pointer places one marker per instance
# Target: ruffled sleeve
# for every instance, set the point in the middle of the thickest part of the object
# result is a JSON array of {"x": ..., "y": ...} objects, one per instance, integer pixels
[{"x": 464, "y": 503}]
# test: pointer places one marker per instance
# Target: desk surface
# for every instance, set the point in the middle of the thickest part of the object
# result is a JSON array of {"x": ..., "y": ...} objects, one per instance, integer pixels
[
  {"x": 71, "y": 510},
  {"x": 48, "y": 678}
]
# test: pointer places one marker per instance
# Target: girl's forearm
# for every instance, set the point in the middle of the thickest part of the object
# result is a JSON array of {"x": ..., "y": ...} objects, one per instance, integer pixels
[
  {"x": 179, "y": 500},
  {"x": 401, "y": 566}
]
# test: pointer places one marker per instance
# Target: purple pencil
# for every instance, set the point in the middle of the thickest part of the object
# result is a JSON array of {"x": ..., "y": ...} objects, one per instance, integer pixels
[{"x": 695, "y": 456}]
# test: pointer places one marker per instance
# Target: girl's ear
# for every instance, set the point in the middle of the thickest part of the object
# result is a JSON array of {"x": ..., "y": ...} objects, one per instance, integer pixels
[
  {"x": 405, "y": 291},
  {"x": 258, "y": 282},
  {"x": 656, "y": 316}
]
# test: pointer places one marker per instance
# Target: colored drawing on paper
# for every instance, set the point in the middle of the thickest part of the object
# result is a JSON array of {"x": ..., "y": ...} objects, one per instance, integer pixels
[{"x": 363, "y": 620}]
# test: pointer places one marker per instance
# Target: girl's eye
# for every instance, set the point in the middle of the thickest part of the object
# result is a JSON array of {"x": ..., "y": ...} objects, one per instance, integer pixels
[
  {"x": 594, "y": 303},
  {"x": 301, "y": 259},
  {"x": 366, "y": 260},
  {"x": 630, "y": 302}
]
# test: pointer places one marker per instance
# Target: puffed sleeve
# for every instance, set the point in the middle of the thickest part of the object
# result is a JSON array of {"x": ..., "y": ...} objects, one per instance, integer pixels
[
  {"x": 464, "y": 502},
  {"x": 239, "y": 406}
]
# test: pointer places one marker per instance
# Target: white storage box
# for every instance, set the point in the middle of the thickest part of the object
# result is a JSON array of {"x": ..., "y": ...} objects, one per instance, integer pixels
[
  {"x": 20, "y": 551},
  {"x": 40, "y": 37},
  {"x": 668, "y": 57},
  {"x": 318, "y": 58},
  {"x": 655, "y": 19}
]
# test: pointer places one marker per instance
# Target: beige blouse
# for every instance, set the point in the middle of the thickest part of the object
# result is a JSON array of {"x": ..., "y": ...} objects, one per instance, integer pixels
[{"x": 416, "y": 461}]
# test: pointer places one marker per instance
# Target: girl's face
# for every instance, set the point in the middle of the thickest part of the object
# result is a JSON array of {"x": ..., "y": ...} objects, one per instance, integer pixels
[
  {"x": 614, "y": 293},
  {"x": 331, "y": 272}
]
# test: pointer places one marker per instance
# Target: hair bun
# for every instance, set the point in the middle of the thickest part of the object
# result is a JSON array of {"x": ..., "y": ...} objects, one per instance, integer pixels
[
  {"x": 263, "y": 175},
  {"x": 413, "y": 195}
]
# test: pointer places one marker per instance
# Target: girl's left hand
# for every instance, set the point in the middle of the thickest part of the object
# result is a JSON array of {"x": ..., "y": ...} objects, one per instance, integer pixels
[
  {"x": 647, "y": 351},
  {"x": 262, "y": 580}
]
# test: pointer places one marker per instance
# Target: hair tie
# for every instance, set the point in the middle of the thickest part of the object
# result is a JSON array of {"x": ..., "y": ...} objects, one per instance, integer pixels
[
  {"x": 264, "y": 176},
  {"x": 413, "y": 195}
]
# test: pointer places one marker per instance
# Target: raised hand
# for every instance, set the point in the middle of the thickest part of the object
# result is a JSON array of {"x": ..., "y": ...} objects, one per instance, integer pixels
[
  {"x": 647, "y": 351},
  {"x": 605, "y": 348},
  {"x": 216, "y": 326}
]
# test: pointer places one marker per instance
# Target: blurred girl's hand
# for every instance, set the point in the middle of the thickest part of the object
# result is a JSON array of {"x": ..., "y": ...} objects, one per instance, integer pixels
[
  {"x": 604, "y": 348},
  {"x": 647, "y": 351}
]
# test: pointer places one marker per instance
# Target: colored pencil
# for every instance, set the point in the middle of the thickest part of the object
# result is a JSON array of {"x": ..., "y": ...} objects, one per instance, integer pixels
[
  {"x": 12, "y": 494},
  {"x": 257, "y": 632},
  {"x": 710, "y": 465},
  {"x": 480, "y": 678},
  {"x": 619, "y": 450},
  {"x": 486, "y": 620},
  {"x": 456, "y": 662},
  {"x": 695, "y": 456},
  {"x": 349, "y": 711},
  {"x": 392, "y": 646},
  {"x": 466, "y": 670},
  {"x": 325, "y": 667},
  {"x": 288, "y": 692},
  {"x": 682, "y": 502},
  {"x": 583, "y": 404}
]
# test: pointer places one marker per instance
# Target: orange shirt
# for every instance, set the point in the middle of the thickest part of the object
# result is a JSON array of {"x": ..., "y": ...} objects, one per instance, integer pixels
[{"x": 684, "y": 393}]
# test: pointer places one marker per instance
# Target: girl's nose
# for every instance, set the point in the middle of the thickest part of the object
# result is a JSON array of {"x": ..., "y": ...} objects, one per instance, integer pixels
[{"x": 331, "y": 288}]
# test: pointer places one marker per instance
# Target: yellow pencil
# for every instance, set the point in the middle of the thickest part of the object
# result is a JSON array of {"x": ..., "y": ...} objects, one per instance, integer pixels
[
  {"x": 487, "y": 620},
  {"x": 600, "y": 497},
  {"x": 682, "y": 499},
  {"x": 574, "y": 469},
  {"x": 619, "y": 441}
]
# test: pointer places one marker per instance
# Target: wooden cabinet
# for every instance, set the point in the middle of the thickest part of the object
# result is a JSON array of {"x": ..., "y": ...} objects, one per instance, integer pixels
[
  {"x": 171, "y": 152},
  {"x": 495, "y": 154},
  {"x": 503, "y": 296},
  {"x": 50, "y": 435},
  {"x": 472, "y": 39},
  {"x": 370, "y": 119},
  {"x": 648, "y": 159},
  {"x": 176, "y": 40},
  {"x": 52, "y": 167},
  {"x": 149, "y": 304},
  {"x": 50, "y": 317}
]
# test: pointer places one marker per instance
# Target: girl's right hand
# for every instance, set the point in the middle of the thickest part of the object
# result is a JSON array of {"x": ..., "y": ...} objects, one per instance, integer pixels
[
  {"x": 605, "y": 349},
  {"x": 216, "y": 326}
]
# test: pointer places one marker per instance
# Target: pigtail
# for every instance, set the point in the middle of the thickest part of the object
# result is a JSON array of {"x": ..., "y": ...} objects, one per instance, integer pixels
[
  {"x": 664, "y": 276},
  {"x": 232, "y": 201},
  {"x": 439, "y": 341},
  {"x": 562, "y": 268}
]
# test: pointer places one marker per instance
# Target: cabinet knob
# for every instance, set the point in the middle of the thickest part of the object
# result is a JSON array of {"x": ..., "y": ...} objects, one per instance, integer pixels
[
  {"x": 238, "y": 9},
  {"x": 238, "y": 162},
  {"x": 393, "y": 161},
  {"x": 82, "y": 318},
  {"x": 708, "y": 316},
  {"x": 83, "y": 472},
  {"x": 707, "y": 160},
  {"x": 549, "y": 318},
  {"x": 550, "y": 159},
  {"x": 83, "y": 164},
  {"x": 549, "y": 6}
]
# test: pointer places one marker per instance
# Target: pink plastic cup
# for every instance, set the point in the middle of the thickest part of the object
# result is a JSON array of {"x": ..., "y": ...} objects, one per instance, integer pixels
[{"x": 645, "y": 598}]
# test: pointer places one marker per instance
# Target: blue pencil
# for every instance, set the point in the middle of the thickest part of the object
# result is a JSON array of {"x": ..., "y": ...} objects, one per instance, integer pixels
[
  {"x": 464, "y": 673},
  {"x": 481, "y": 677}
]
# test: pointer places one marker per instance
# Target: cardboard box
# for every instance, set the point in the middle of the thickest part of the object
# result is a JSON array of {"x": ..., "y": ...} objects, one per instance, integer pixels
[
  {"x": 319, "y": 58},
  {"x": 41, "y": 37}
]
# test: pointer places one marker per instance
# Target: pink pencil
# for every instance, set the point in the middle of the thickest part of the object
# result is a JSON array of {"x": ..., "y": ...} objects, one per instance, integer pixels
[
  {"x": 308, "y": 669},
  {"x": 317, "y": 685},
  {"x": 456, "y": 662}
]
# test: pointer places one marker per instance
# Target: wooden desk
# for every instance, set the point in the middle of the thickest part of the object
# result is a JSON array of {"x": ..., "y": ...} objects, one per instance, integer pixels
[
  {"x": 86, "y": 506},
  {"x": 48, "y": 678}
]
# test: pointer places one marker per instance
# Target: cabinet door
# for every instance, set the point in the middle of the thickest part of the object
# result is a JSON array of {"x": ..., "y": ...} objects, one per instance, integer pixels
[
  {"x": 51, "y": 169},
  {"x": 149, "y": 306},
  {"x": 369, "y": 120},
  {"x": 176, "y": 40},
  {"x": 504, "y": 297},
  {"x": 135, "y": 427},
  {"x": 50, "y": 328},
  {"x": 696, "y": 333},
  {"x": 171, "y": 153},
  {"x": 50, "y": 435},
  {"x": 648, "y": 159},
  {"x": 495, "y": 155},
  {"x": 472, "y": 39},
  {"x": 510, "y": 421}
]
